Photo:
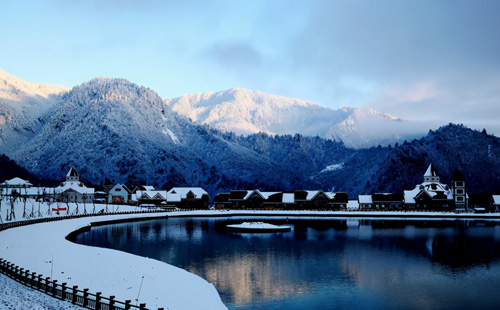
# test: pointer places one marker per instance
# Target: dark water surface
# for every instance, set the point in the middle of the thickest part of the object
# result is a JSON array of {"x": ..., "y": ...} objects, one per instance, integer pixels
[{"x": 327, "y": 263}]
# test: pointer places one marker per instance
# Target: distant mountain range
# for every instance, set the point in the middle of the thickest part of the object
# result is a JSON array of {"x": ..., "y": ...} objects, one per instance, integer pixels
[
  {"x": 112, "y": 131},
  {"x": 246, "y": 112}
]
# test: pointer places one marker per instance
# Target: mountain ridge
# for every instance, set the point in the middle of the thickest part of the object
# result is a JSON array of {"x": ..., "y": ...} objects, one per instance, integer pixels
[{"x": 246, "y": 112}]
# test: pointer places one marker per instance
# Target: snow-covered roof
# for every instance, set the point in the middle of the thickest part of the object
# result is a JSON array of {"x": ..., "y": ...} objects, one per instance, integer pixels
[
  {"x": 250, "y": 193},
  {"x": 330, "y": 195},
  {"x": 366, "y": 199},
  {"x": 288, "y": 197},
  {"x": 183, "y": 191},
  {"x": 173, "y": 197},
  {"x": 148, "y": 187},
  {"x": 78, "y": 187},
  {"x": 120, "y": 186},
  {"x": 267, "y": 194},
  {"x": 17, "y": 182},
  {"x": 154, "y": 194},
  {"x": 435, "y": 186},
  {"x": 352, "y": 205},
  {"x": 431, "y": 171},
  {"x": 430, "y": 188},
  {"x": 311, "y": 194},
  {"x": 410, "y": 195},
  {"x": 496, "y": 199},
  {"x": 72, "y": 172}
]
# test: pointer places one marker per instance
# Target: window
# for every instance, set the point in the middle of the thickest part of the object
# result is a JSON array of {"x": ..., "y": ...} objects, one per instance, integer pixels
[
  {"x": 118, "y": 190},
  {"x": 459, "y": 191},
  {"x": 460, "y": 184},
  {"x": 460, "y": 199}
]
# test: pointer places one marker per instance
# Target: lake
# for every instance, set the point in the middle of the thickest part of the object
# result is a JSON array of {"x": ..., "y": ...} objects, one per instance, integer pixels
[{"x": 326, "y": 263}]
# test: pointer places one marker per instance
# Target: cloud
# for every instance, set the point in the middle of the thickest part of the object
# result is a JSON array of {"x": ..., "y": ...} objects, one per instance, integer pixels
[
  {"x": 420, "y": 59},
  {"x": 474, "y": 102},
  {"x": 234, "y": 55}
]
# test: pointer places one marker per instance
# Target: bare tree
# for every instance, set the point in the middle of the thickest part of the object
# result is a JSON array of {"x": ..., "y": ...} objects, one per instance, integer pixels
[
  {"x": 25, "y": 199},
  {"x": 84, "y": 205},
  {"x": 1, "y": 199}
]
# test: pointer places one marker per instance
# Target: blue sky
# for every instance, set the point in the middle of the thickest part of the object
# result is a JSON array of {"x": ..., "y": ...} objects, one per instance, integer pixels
[{"x": 434, "y": 60}]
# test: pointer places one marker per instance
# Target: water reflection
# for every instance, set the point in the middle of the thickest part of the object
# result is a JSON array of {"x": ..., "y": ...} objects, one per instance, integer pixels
[{"x": 327, "y": 263}]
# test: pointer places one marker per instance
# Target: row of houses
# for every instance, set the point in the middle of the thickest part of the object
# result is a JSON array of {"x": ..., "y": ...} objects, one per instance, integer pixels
[
  {"x": 431, "y": 194},
  {"x": 299, "y": 200},
  {"x": 73, "y": 190}
]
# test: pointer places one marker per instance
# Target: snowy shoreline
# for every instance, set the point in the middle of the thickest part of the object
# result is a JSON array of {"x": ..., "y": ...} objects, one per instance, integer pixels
[{"x": 43, "y": 248}]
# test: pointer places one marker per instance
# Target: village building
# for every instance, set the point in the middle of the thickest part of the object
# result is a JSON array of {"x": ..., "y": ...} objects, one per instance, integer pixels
[
  {"x": 119, "y": 193},
  {"x": 279, "y": 201},
  {"x": 188, "y": 198},
  {"x": 72, "y": 190},
  {"x": 142, "y": 188},
  {"x": 365, "y": 202},
  {"x": 436, "y": 196},
  {"x": 320, "y": 200},
  {"x": 150, "y": 198},
  {"x": 495, "y": 203},
  {"x": 480, "y": 203},
  {"x": 15, "y": 187},
  {"x": 298, "y": 200},
  {"x": 221, "y": 201},
  {"x": 381, "y": 201}
]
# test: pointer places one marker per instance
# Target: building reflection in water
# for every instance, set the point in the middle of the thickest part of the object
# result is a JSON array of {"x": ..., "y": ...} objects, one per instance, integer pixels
[{"x": 326, "y": 263}]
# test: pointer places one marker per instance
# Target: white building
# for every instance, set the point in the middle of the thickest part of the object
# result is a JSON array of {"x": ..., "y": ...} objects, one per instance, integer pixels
[
  {"x": 72, "y": 190},
  {"x": 119, "y": 194}
]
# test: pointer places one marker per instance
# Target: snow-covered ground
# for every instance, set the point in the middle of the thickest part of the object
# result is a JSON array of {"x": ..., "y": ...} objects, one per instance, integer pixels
[
  {"x": 15, "y": 296},
  {"x": 42, "y": 248}
]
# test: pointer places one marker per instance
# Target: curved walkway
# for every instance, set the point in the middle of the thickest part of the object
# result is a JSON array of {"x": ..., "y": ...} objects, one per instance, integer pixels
[{"x": 43, "y": 248}]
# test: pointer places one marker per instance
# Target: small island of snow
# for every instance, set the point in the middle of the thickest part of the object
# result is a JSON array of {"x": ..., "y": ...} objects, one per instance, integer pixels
[{"x": 257, "y": 227}]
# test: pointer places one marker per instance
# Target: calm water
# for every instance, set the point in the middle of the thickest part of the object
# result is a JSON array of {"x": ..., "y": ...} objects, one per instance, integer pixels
[{"x": 327, "y": 263}]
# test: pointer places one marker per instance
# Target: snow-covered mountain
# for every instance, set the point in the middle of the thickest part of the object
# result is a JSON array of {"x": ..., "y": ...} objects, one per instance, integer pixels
[
  {"x": 23, "y": 106},
  {"x": 112, "y": 129},
  {"x": 245, "y": 112}
]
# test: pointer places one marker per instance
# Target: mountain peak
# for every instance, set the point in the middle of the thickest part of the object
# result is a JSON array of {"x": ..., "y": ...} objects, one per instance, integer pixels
[{"x": 244, "y": 111}]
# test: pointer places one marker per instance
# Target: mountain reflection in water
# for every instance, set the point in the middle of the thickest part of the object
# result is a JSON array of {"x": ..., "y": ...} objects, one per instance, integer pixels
[{"x": 326, "y": 263}]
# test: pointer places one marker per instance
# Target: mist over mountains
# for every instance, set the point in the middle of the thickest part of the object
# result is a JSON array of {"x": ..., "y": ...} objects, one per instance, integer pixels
[{"x": 112, "y": 130}]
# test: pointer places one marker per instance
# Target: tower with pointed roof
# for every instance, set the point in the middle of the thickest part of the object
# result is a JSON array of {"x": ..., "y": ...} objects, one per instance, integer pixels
[
  {"x": 431, "y": 174},
  {"x": 72, "y": 175},
  {"x": 458, "y": 185}
]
